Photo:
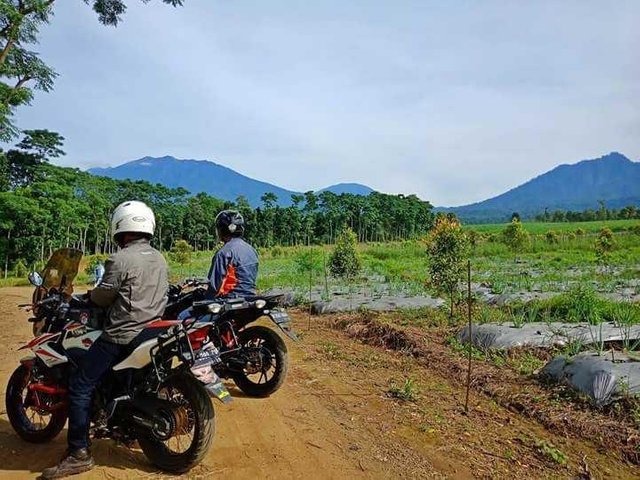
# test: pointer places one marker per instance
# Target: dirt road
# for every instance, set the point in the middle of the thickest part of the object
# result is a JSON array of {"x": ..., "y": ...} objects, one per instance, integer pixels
[{"x": 332, "y": 419}]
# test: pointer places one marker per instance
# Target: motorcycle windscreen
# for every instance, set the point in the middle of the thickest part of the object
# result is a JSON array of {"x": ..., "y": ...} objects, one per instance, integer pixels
[{"x": 61, "y": 269}]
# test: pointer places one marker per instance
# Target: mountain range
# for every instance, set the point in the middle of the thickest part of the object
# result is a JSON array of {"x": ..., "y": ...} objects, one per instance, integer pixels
[
  {"x": 209, "y": 177},
  {"x": 613, "y": 179}
]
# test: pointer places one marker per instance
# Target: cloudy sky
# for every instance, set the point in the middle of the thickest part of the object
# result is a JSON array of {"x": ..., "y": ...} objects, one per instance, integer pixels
[{"x": 453, "y": 100}]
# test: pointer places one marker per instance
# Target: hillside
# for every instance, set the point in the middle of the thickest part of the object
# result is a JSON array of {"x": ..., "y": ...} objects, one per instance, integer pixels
[
  {"x": 195, "y": 176},
  {"x": 209, "y": 177},
  {"x": 612, "y": 178}
]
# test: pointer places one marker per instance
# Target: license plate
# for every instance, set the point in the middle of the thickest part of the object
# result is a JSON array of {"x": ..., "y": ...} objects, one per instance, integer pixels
[
  {"x": 203, "y": 371},
  {"x": 281, "y": 318}
]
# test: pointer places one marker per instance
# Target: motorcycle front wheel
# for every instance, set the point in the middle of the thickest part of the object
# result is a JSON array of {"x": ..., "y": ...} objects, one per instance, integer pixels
[
  {"x": 264, "y": 355},
  {"x": 191, "y": 426},
  {"x": 35, "y": 425}
]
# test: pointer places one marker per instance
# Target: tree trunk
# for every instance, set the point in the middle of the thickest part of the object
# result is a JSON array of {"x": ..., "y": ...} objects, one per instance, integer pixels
[{"x": 6, "y": 258}]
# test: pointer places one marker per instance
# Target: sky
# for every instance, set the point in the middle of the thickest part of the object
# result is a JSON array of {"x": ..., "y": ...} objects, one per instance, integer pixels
[{"x": 456, "y": 101}]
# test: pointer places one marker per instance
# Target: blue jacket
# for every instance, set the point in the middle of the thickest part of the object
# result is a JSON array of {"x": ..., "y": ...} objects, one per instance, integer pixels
[{"x": 234, "y": 270}]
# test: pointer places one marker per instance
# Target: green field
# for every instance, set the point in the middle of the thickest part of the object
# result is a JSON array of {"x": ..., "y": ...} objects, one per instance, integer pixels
[{"x": 537, "y": 228}]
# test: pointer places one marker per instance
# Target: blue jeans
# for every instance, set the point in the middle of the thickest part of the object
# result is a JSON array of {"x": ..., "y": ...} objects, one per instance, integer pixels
[{"x": 83, "y": 381}]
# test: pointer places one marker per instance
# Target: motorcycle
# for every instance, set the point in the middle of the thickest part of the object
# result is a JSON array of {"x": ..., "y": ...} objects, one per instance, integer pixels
[
  {"x": 158, "y": 394},
  {"x": 254, "y": 357}
]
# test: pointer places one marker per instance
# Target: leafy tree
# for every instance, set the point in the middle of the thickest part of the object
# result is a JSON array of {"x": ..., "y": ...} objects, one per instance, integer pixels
[
  {"x": 21, "y": 70},
  {"x": 37, "y": 147},
  {"x": 515, "y": 236},
  {"x": 447, "y": 248},
  {"x": 604, "y": 245},
  {"x": 345, "y": 260},
  {"x": 551, "y": 237},
  {"x": 181, "y": 252}
]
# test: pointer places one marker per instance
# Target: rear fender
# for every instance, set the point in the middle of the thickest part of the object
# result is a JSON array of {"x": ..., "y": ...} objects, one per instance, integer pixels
[{"x": 282, "y": 320}]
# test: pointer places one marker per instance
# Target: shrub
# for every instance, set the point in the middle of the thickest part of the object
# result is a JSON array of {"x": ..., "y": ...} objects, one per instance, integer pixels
[
  {"x": 20, "y": 269},
  {"x": 92, "y": 262},
  {"x": 407, "y": 392},
  {"x": 515, "y": 236},
  {"x": 604, "y": 245},
  {"x": 551, "y": 237},
  {"x": 571, "y": 237},
  {"x": 447, "y": 247},
  {"x": 181, "y": 252},
  {"x": 345, "y": 261},
  {"x": 579, "y": 232}
]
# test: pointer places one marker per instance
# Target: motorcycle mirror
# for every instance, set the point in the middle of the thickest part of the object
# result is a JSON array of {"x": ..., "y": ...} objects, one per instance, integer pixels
[{"x": 35, "y": 279}]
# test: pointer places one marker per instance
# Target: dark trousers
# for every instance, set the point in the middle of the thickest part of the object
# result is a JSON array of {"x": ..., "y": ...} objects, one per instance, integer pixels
[{"x": 91, "y": 368}]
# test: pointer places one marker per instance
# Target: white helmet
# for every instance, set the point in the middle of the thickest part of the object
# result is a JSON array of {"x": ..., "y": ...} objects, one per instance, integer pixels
[{"x": 133, "y": 216}]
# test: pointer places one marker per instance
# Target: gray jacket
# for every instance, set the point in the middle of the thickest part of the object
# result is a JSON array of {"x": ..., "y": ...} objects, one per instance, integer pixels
[{"x": 134, "y": 288}]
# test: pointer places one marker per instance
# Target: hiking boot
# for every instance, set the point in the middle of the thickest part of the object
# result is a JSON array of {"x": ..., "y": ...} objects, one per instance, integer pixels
[{"x": 72, "y": 463}]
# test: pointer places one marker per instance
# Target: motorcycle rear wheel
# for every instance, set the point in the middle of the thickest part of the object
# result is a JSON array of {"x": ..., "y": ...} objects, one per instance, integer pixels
[
  {"x": 269, "y": 369},
  {"x": 192, "y": 416},
  {"x": 23, "y": 419}
]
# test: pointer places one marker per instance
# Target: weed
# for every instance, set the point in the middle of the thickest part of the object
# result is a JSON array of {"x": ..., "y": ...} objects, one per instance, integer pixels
[
  {"x": 549, "y": 451},
  {"x": 527, "y": 363},
  {"x": 331, "y": 350},
  {"x": 408, "y": 392},
  {"x": 463, "y": 348},
  {"x": 573, "y": 347}
]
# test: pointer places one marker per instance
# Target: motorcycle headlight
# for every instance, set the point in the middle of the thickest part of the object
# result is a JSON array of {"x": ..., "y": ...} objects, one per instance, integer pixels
[
  {"x": 214, "y": 308},
  {"x": 260, "y": 304}
]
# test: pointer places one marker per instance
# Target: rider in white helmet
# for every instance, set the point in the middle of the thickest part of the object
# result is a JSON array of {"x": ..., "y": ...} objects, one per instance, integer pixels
[{"x": 133, "y": 290}]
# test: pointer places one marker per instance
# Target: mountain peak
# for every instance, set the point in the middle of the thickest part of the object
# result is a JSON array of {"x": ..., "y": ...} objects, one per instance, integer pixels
[
  {"x": 206, "y": 176},
  {"x": 612, "y": 178},
  {"x": 352, "y": 188}
]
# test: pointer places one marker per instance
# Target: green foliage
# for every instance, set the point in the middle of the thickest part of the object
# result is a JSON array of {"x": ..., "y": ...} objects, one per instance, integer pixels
[
  {"x": 515, "y": 236},
  {"x": 21, "y": 69},
  {"x": 181, "y": 252},
  {"x": 447, "y": 248},
  {"x": 550, "y": 452},
  {"x": 308, "y": 260},
  {"x": 345, "y": 260},
  {"x": 551, "y": 237},
  {"x": 92, "y": 262},
  {"x": 604, "y": 245},
  {"x": 20, "y": 270},
  {"x": 579, "y": 232},
  {"x": 407, "y": 392}
]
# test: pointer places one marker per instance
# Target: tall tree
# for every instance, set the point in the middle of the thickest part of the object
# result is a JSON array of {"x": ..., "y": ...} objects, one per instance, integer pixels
[{"x": 21, "y": 69}]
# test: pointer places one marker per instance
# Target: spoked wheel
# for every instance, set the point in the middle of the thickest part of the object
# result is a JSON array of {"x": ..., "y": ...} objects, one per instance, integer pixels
[
  {"x": 34, "y": 424},
  {"x": 265, "y": 357},
  {"x": 184, "y": 428}
]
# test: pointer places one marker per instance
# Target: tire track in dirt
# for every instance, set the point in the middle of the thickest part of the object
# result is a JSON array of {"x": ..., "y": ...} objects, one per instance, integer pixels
[{"x": 293, "y": 434}]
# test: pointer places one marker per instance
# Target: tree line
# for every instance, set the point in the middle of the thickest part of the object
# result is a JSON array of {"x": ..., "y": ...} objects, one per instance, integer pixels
[
  {"x": 629, "y": 212},
  {"x": 44, "y": 207}
]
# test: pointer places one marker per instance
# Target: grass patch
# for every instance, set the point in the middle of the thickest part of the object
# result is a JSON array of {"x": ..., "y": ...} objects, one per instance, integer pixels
[
  {"x": 407, "y": 392},
  {"x": 550, "y": 452}
]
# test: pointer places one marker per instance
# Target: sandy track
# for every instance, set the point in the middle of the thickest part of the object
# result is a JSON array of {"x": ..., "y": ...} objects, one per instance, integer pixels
[
  {"x": 290, "y": 435},
  {"x": 333, "y": 419}
]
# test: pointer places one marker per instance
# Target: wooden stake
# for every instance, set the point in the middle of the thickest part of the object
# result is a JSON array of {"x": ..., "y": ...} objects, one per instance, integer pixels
[{"x": 466, "y": 401}]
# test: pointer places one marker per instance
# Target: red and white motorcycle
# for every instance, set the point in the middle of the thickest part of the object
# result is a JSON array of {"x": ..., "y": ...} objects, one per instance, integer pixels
[{"x": 158, "y": 394}]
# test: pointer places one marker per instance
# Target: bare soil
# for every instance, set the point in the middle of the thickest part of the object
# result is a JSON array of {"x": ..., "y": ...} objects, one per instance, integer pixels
[{"x": 334, "y": 418}]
